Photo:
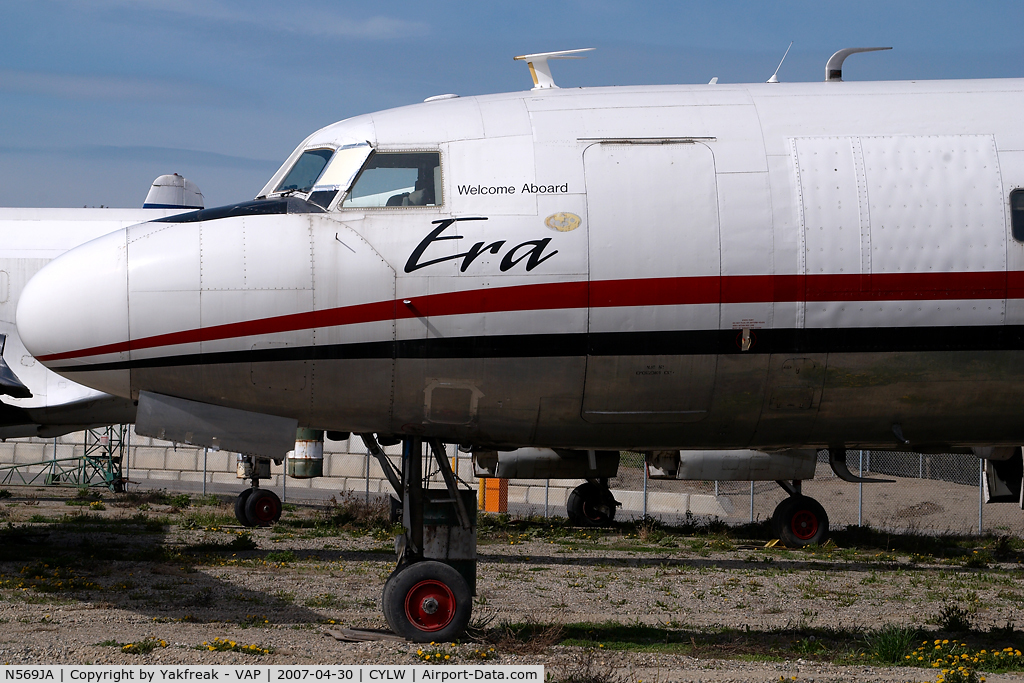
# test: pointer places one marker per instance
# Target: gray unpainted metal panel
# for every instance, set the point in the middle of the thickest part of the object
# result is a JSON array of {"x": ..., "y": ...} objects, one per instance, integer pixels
[{"x": 202, "y": 424}]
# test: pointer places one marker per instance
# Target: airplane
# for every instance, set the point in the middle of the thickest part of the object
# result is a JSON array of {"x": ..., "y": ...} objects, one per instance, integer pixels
[
  {"x": 761, "y": 269},
  {"x": 38, "y": 402}
]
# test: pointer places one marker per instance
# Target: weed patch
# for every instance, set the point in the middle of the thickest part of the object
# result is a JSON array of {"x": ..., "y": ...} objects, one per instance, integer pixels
[
  {"x": 891, "y": 644},
  {"x": 225, "y": 645}
]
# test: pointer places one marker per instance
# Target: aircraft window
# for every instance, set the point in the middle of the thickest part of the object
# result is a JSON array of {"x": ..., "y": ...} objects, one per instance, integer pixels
[
  {"x": 1017, "y": 214},
  {"x": 322, "y": 198},
  {"x": 305, "y": 171},
  {"x": 398, "y": 179}
]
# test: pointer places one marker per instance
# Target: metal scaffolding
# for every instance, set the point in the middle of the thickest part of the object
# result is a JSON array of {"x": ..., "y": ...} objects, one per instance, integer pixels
[{"x": 98, "y": 465}]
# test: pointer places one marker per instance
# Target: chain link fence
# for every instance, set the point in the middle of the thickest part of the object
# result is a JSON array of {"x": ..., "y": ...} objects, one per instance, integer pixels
[{"x": 931, "y": 492}]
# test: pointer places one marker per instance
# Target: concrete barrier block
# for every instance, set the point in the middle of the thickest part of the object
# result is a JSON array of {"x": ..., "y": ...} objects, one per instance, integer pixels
[
  {"x": 164, "y": 475},
  {"x": 219, "y": 461},
  {"x": 31, "y": 452},
  {"x": 328, "y": 483},
  {"x": 226, "y": 478},
  {"x": 704, "y": 504},
  {"x": 342, "y": 465},
  {"x": 148, "y": 458},
  {"x": 517, "y": 494},
  {"x": 535, "y": 495},
  {"x": 182, "y": 459},
  {"x": 350, "y": 445}
]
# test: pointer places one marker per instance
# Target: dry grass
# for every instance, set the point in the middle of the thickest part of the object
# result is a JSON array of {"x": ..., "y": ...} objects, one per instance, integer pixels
[{"x": 524, "y": 639}]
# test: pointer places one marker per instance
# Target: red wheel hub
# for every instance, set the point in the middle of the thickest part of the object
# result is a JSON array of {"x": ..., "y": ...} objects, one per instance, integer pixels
[
  {"x": 804, "y": 525},
  {"x": 430, "y": 605},
  {"x": 265, "y": 509}
]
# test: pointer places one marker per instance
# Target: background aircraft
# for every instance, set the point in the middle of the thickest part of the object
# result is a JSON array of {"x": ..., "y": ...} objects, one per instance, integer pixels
[{"x": 37, "y": 402}]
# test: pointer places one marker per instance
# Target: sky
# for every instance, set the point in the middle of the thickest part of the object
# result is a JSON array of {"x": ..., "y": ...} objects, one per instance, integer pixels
[{"x": 99, "y": 97}]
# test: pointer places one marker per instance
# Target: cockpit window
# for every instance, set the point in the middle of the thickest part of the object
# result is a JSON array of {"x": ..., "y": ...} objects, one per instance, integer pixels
[
  {"x": 398, "y": 179},
  {"x": 1017, "y": 215},
  {"x": 306, "y": 170}
]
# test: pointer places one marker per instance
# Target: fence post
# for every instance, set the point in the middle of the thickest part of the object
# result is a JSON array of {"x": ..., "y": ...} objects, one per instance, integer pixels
[
  {"x": 751, "y": 502},
  {"x": 547, "y": 489},
  {"x": 981, "y": 493},
  {"x": 860, "y": 492},
  {"x": 645, "y": 489},
  {"x": 205, "y": 449}
]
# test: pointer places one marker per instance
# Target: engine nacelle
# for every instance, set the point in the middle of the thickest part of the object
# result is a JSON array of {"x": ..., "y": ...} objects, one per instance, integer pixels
[
  {"x": 546, "y": 463},
  {"x": 743, "y": 465}
]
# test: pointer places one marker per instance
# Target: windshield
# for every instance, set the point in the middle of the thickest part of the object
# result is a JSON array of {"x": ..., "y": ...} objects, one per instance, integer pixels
[{"x": 306, "y": 170}]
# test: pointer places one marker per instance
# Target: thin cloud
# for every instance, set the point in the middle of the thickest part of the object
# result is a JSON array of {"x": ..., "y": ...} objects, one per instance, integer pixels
[
  {"x": 104, "y": 88},
  {"x": 147, "y": 153},
  {"x": 326, "y": 20}
]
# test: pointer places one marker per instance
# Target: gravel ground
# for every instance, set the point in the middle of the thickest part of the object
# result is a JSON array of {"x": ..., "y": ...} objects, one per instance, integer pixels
[{"x": 284, "y": 594}]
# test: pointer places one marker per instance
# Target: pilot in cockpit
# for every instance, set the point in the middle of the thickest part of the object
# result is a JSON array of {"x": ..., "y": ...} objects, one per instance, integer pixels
[{"x": 422, "y": 194}]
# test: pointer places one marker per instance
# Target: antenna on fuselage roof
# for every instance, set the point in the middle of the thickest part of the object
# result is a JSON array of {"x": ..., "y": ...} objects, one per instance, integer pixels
[
  {"x": 775, "y": 76},
  {"x": 834, "y": 66},
  {"x": 539, "y": 69}
]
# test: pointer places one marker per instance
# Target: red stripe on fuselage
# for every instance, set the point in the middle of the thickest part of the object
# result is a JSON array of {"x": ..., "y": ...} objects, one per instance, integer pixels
[{"x": 674, "y": 291}]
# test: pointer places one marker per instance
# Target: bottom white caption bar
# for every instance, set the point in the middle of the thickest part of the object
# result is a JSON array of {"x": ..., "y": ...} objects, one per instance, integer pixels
[{"x": 386, "y": 673}]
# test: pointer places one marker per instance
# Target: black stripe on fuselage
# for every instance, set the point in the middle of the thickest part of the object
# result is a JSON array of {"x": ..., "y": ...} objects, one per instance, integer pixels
[{"x": 679, "y": 343}]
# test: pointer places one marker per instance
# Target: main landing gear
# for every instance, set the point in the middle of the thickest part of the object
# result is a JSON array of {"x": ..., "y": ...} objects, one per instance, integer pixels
[
  {"x": 799, "y": 520},
  {"x": 255, "y": 506},
  {"x": 429, "y": 595},
  {"x": 591, "y": 504}
]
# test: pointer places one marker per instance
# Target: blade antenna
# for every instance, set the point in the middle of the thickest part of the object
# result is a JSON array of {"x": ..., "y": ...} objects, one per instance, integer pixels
[
  {"x": 539, "y": 69},
  {"x": 775, "y": 76}
]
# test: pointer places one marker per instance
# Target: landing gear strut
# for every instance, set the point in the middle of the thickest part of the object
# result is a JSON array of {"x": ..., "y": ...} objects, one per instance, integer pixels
[
  {"x": 427, "y": 598},
  {"x": 591, "y": 504},
  {"x": 255, "y": 506},
  {"x": 799, "y": 520}
]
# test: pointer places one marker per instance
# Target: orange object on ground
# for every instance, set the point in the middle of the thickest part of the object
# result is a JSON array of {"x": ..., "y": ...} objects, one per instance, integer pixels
[{"x": 493, "y": 494}]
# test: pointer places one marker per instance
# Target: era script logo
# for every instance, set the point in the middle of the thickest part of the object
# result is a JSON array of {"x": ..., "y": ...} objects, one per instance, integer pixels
[{"x": 532, "y": 251}]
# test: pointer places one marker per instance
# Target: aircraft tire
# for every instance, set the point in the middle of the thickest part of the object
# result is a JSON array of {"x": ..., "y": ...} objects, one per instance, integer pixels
[
  {"x": 263, "y": 507},
  {"x": 800, "y": 521},
  {"x": 240, "y": 507},
  {"x": 429, "y": 602},
  {"x": 386, "y": 601},
  {"x": 590, "y": 505}
]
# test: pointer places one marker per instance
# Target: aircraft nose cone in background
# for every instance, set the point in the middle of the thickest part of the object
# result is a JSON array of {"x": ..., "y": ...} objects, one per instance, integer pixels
[{"x": 73, "y": 314}]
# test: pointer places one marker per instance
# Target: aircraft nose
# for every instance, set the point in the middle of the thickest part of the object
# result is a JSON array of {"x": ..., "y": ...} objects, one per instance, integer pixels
[{"x": 73, "y": 314}]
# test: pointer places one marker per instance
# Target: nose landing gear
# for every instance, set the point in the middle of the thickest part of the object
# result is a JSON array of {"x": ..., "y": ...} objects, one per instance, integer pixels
[
  {"x": 429, "y": 596},
  {"x": 799, "y": 520}
]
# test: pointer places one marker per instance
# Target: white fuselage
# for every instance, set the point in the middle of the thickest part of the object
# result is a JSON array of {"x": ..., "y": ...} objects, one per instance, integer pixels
[{"x": 709, "y": 266}]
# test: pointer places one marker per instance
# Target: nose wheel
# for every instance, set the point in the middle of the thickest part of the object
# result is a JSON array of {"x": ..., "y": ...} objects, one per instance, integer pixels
[
  {"x": 427, "y": 601},
  {"x": 800, "y": 521}
]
